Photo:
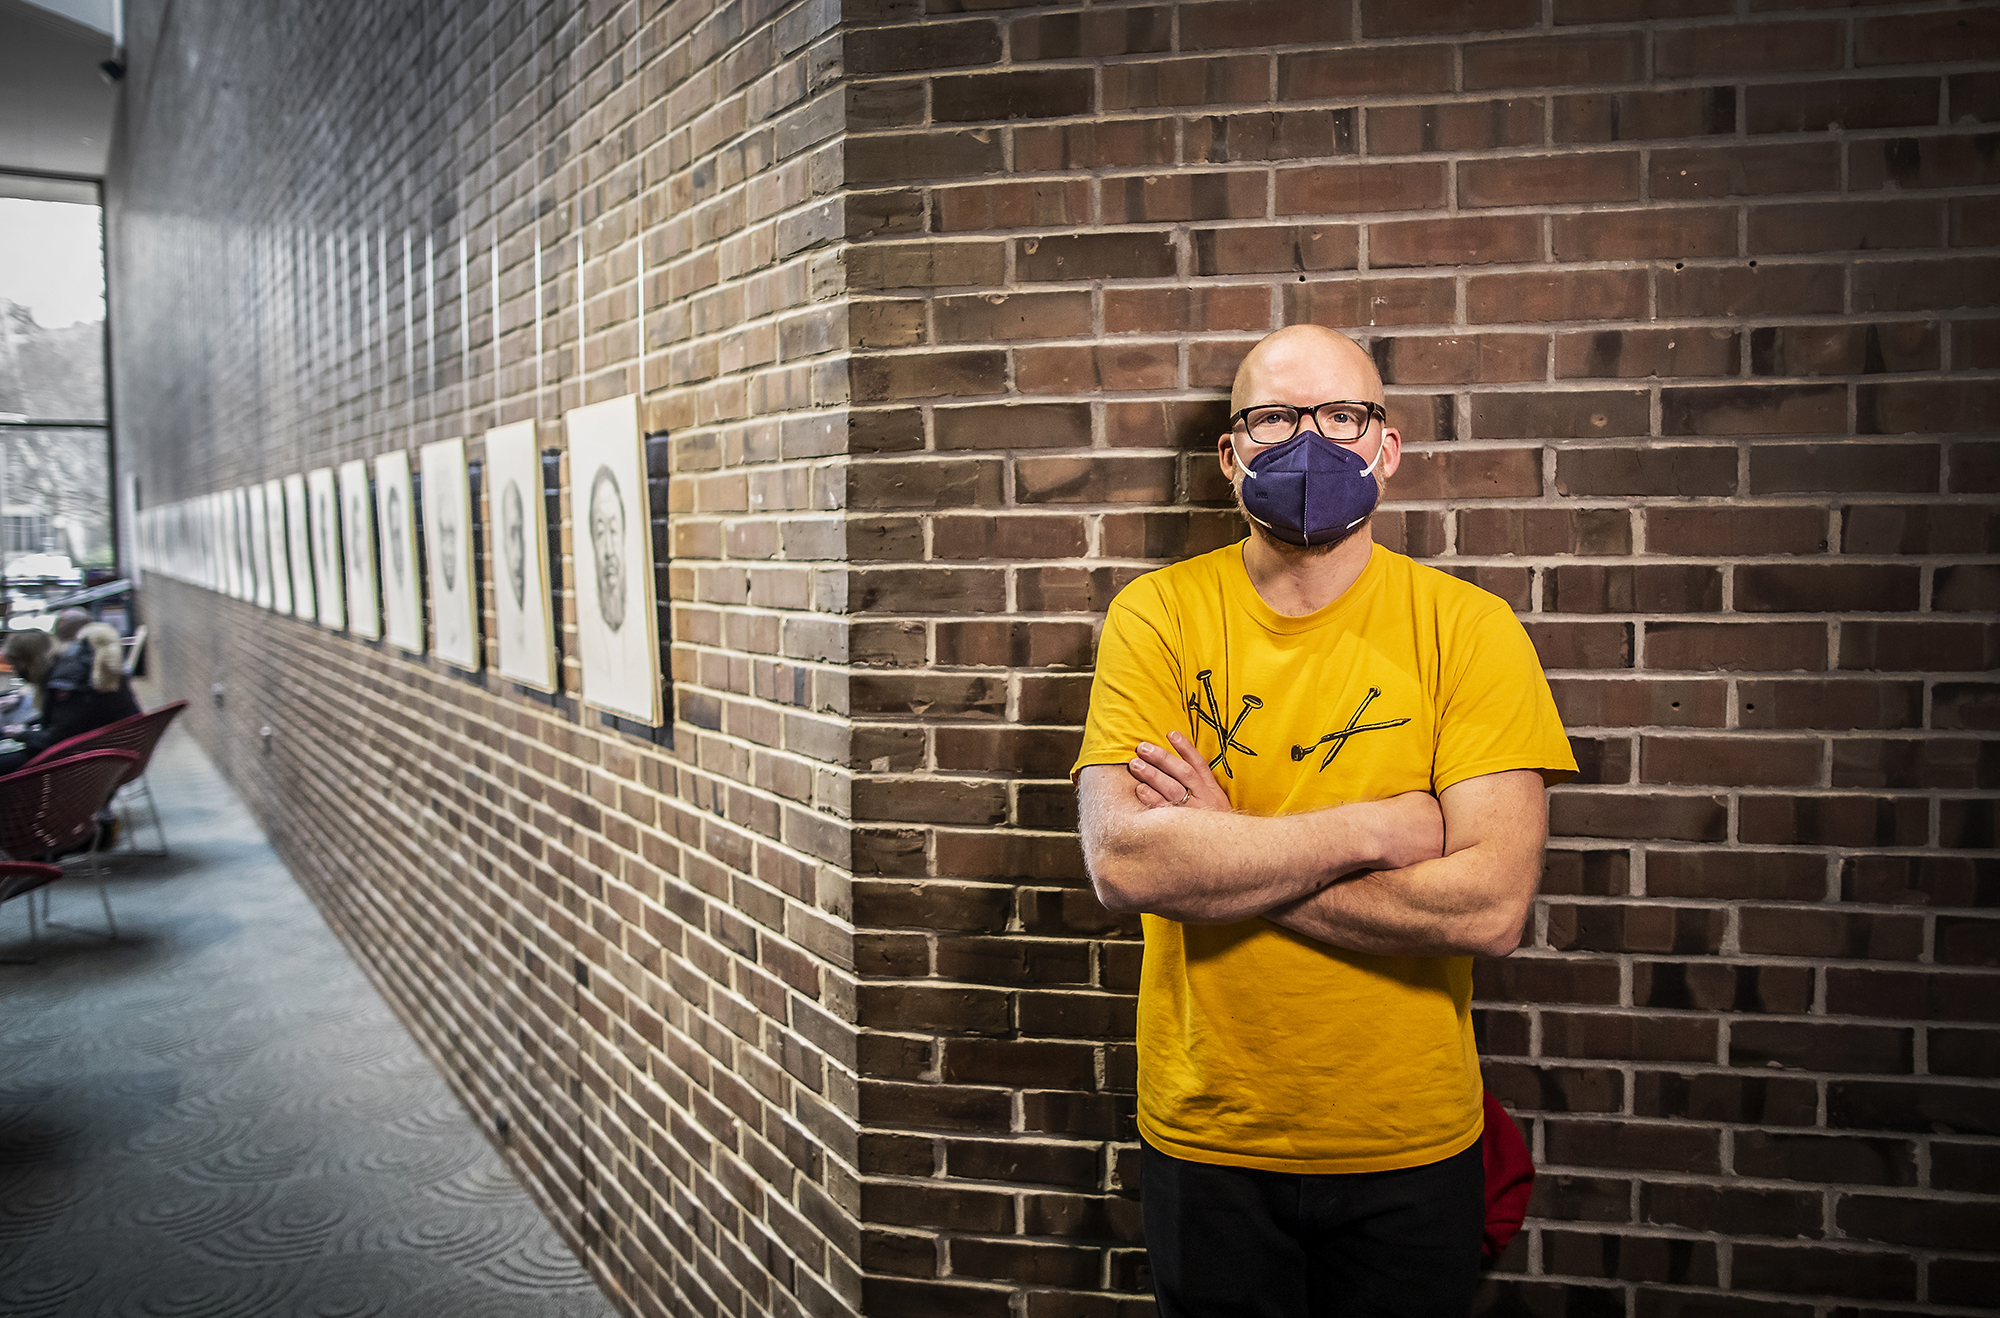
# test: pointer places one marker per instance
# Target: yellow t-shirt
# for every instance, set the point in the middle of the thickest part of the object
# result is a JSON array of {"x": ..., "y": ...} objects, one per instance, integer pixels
[{"x": 1259, "y": 1047}]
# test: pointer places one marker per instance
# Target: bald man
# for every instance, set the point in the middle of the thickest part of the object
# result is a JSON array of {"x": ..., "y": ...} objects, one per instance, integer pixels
[{"x": 1317, "y": 770}]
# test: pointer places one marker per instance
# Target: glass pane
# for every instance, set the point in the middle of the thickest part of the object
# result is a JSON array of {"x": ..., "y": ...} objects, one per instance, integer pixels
[
  {"x": 55, "y": 510},
  {"x": 51, "y": 311}
]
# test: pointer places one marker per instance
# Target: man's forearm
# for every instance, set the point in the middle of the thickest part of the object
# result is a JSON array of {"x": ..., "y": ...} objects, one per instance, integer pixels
[
  {"x": 1464, "y": 904},
  {"x": 1215, "y": 866}
]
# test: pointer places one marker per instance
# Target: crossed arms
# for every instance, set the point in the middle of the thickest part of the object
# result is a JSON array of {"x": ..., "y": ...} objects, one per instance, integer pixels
[{"x": 1413, "y": 875}]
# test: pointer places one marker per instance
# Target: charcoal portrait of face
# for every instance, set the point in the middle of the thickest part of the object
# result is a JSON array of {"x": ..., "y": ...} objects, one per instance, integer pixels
[
  {"x": 395, "y": 529},
  {"x": 514, "y": 540},
  {"x": 355, "y": 533},
  {"x": 607, "y": 546},
  {"x": 447, "y": 538}
]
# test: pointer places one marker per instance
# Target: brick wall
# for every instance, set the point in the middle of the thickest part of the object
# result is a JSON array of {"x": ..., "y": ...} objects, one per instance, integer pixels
[
  {"x": 1688, "y": 314},
  {"x": 1691, "y": 323},
  {"x": 630, "y": 958}
]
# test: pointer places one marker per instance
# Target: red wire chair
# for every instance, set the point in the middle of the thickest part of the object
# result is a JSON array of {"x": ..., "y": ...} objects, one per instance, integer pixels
[
  {"x": 24, "y": 876},
  {"x": 51, "y": 807},
  {"x": 139, "y": 734}
]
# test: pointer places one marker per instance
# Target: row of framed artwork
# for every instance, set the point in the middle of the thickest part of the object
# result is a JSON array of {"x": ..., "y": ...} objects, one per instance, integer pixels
[{"x": 341, "y": 547}]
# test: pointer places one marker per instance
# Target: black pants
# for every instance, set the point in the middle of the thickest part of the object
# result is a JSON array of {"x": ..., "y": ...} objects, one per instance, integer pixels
[{"x": 1230, "y": 1242}]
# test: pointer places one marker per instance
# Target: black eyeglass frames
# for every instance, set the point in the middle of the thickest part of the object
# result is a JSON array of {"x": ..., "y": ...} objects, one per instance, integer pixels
[{"x": 1344, "y": 422}]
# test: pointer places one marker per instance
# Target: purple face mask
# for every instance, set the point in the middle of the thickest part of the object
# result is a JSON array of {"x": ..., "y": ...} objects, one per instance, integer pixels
[{"x": 1309, "y": 490}]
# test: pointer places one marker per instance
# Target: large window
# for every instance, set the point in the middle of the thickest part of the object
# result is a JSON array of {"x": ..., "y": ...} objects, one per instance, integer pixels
[{"x": 55, "y": 467}]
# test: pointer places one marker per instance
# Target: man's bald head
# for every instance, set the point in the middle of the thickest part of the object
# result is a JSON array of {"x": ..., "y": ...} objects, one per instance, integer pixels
[
  {"x": 1299, "y": 353},
  {"x": 69, "y": 622}
]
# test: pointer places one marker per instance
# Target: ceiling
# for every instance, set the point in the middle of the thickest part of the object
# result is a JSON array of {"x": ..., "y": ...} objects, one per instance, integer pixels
[{"x": 55, "y": 107}]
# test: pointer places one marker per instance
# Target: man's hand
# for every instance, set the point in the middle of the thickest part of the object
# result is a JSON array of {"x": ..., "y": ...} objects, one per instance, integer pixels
[{"x": 1177, "y": 777}]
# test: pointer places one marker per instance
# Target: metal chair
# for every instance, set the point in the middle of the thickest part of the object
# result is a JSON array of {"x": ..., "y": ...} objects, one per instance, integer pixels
[
  {"x": 50, "y": 808},
  {"x": 24, "y": 876},
  {"x": 139, "y": 734}
]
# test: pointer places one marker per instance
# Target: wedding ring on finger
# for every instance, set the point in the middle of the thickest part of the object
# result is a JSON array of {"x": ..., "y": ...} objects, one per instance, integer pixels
[{"x": 1187, "y": 794}]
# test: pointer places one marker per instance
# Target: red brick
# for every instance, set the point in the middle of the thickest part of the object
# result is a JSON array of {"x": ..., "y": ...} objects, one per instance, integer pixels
[
  {"x": 1751, "y": 290},
  {"x": 1206, "y": 307},
  {"x": 1741, "y": 647},
  {"x": 1036, "y": 425},
  {"x": 1350, "y": 189},
  {"x": 1233, "y": 24},
  {"x": 1554, "y": 180},
  {"x": 1017, "y": 94},
  {"x": 1139, "y": 199},
  {"x": 1275, "y": 250},
  {"x": 1630, "y": 354},
  {"x": 1832, "y": 821},
  {"x": 1116, "y": 142},
  {"x": 1094, "y": 256},
  {"x": 1003, "y": 316},
  {"x": 1970, "y": 34},
  {"x": 930, "y": 46},
  {"x": 1072, "y": 36},
  {"x": 1692, "y": 173},
  {"x": 1565, "y": 295},
  {"x": 1225, "y": 80},
  {"x": 1544, "y": 532},
  {"x": 1928, "y": 407},
  {"x": 1632, "y": 588},
  {"x": 1625, "y": 470},
  {"x": 1730, "y": 762},
  {"x": 1732, "y": 875},
  {"x": 1459, "y": 240},
  {"x": 1844, "y": 349},
  {"x": 1405, "y": 130},
  {"x": 1090, "y": 368},
  {"x": 1918, "y": 646},
  {"x": 1806, "y": 468},
  {"x": 1754, "y": 48},
  {"x": 1846, "y": 226},
  {"x": 1269, "y": 135},
  {"x": 1675, "y": 1147},
  {"x": 1635, "y": 116},
  {"x": 1462, "y": 359},
  {"x": 1941, "y": 285},
  {"x": 1622, "y": 235},
  {"x": 1818, "y": 107},
  {"x": 1904, "y": 163},
  {"x": 1570, "y": 414},
  {"x": 1651, "y": 703},
  {"x": 1395, "y": 70},
  {"x": 1755, "y": 409},
  {"x": 1736, "y": 532},
  {"x": 1627, "y": 11},
  {"x": 1104, "y": 479},
  {"x": 1384, "y": 18},
  {"x": 1554, "y": 61},
  {"x": 1634, "y": 815},
  {"x": 1011, "y": 205},
  {"x": 1812, "y": 588},
  {"x": 1468, "y": 474},
  {"x": 1357, "y": 303}
]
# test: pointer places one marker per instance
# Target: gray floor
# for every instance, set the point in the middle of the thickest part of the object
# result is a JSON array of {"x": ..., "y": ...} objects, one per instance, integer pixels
[{"x": 217, "y": 1115}]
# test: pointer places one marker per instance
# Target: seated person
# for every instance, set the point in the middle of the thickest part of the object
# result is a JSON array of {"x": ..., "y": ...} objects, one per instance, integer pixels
[{"x": 77, "y": 690}]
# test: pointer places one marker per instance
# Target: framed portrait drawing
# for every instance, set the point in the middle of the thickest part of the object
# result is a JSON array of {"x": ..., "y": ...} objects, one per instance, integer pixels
[
  {"x": 233, "y": 541},
  {"x": 260, "y": 543},
  {"x": 357, "y": 524},
  {"x": 520, "y": 558},
  {"x": 610, "y": 520},
  {"x": 327, "y": 570},
  {"x": 402, "y": 595},
  {"x": 298, "y": 536},
  {"x": 448, "y": 547},
  {"x": 277, "y": 546},
  {"x": 246, "y": 553}
]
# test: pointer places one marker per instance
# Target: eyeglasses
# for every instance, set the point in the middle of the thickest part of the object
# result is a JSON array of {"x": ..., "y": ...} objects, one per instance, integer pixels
[{"x": 1274, "y": 423}]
